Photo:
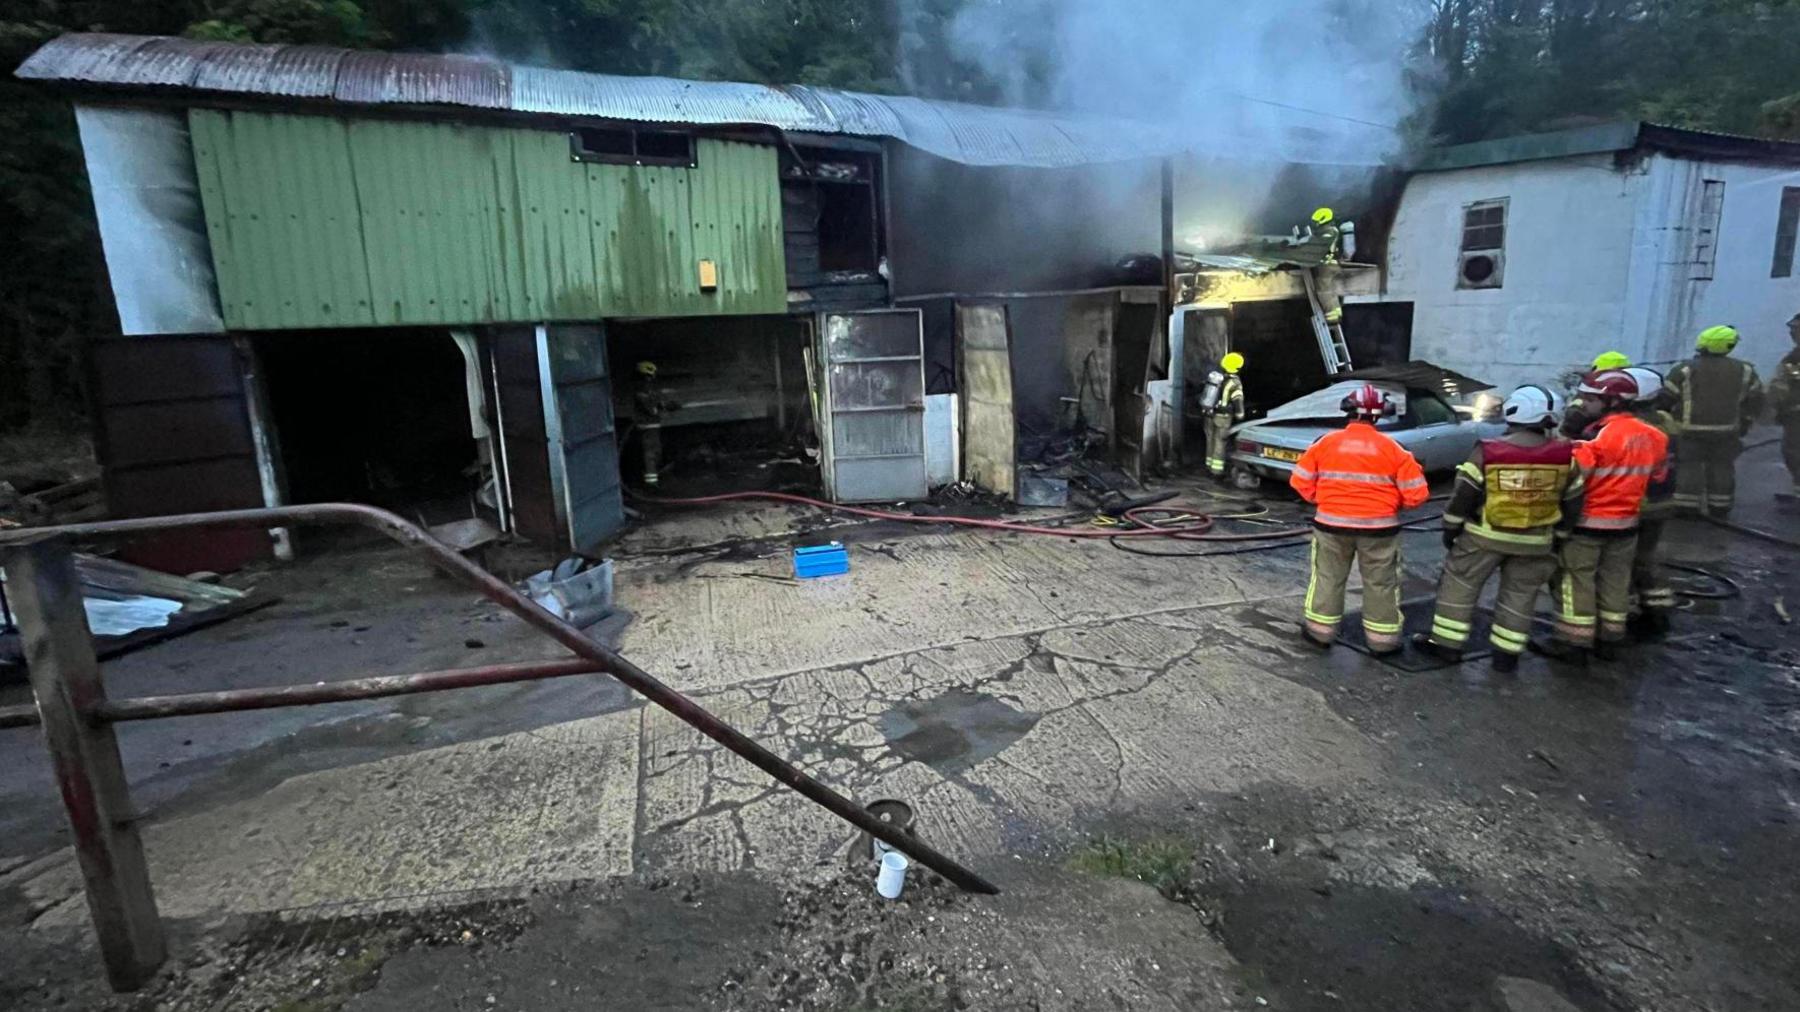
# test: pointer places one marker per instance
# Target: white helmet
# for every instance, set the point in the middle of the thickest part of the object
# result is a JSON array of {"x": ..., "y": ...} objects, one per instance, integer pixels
[
  {"x": 1534, "y": 406},
  {"x": 1649, "y": 381}
]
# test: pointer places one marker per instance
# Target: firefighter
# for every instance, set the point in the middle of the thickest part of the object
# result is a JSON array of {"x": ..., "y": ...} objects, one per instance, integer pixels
[
  {"x": 1593, "y": 595},
  {"x": 1719, "y": 398},
  {"x": 1652, "y": 595},
  {"x": 1784, "y": 395},
  {"x": 1322, "y": 239},
  {"x": 1581, "y": 414},
  {"x": 650, "y": 403},
  {"x": 1513, "y": 498},
  {"x": 1360, "y": 480},
  {"x": 1223, "y": 402}
]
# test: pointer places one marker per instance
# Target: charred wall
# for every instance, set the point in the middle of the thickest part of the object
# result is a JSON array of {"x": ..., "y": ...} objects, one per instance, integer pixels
[{"x": 963, "y": 228}]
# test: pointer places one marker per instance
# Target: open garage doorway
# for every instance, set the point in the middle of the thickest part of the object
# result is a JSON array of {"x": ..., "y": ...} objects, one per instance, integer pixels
[
  {"x": 377, "y": 416},
  {"x": 715, "y": 404}
]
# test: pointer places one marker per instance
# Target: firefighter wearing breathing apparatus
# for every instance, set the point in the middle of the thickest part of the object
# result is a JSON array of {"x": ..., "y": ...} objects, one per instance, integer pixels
[
  {"x": 1222, "y": 404},
  {"x": 1511, "y": 499},
  {"x": 1323, "y": 239},
  {"x": 1718, "y": 398}
]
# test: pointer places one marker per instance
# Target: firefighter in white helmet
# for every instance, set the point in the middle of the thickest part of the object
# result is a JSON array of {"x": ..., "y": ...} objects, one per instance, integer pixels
[{"x": 1511, "y": 499}]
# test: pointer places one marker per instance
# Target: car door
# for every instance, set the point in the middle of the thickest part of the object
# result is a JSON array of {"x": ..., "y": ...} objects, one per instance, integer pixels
[{"x": 1439, "y": 440}]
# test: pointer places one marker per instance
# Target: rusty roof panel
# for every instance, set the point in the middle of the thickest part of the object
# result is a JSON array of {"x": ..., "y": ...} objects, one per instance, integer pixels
[
  {"x": 660, "y": 99},
  {"x": 420, "y": 79},
  {"x": 95, "y": 57},
  {"x": 975, "y": 135},
  {"x": 294, "y": 71}
]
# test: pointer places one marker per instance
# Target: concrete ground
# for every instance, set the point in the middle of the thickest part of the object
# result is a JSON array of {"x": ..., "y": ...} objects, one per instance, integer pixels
[{"x": 1184, "y": 807}]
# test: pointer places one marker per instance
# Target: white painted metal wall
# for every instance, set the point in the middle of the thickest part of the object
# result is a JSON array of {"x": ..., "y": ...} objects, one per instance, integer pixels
[
  {"x": 1569, "y": 237},
  {"x": 1597, "y": 257}
]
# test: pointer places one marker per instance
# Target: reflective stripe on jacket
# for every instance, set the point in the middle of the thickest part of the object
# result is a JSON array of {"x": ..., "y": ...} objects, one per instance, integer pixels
[
  {"x": 1620, "y": 462},
  {"x": 1524, "y": 484},
  {"x": 1718, "y": 393},
  {"x": 1360, "y": 479},
  {"x": 1515, "y": 491},
  {"x": 1231, "y": 399}
]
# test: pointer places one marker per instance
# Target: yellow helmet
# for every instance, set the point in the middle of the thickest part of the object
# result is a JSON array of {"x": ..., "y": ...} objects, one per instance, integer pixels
[
  {"x": 646, "y": 368},
  {"x": 1322, "y": 215},
  {"x": 1611, "y": 360},
  {"x": 1232, "y": 362},
  {"x": 1717, "y": 340}
]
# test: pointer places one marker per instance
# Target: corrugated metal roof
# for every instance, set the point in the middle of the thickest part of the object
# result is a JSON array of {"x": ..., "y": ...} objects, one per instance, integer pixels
[
  {"x": 1607, "y": 138},
  {"x": 975, "y": 135}
]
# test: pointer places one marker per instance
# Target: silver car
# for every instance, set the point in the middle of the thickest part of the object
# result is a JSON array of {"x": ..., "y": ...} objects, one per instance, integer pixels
[{"x": 1440, "y": 434}]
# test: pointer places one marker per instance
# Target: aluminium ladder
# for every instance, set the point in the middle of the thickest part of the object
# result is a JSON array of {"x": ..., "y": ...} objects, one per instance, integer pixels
[{"x": 1332, "y": 347}]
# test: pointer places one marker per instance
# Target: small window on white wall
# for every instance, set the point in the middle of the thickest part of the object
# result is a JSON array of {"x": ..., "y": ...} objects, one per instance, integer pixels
[
  {"x": 1706, "y": 229},
  {"x": 1481, "y": 259},
  {"x": 1787, "y": 225}
]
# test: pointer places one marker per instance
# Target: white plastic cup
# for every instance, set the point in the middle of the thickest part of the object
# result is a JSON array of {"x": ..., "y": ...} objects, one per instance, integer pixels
[{"x": 893, "y": 875}]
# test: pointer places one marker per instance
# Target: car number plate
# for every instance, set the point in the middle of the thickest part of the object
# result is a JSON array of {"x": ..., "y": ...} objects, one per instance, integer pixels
[{"x": 1278, "y": 453}]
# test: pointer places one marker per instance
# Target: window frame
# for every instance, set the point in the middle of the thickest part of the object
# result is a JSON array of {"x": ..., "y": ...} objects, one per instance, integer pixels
[
  {"x": 1500, "y": 204},
  {"x": 1787, "y": 230},
  {"x": 579, "y": 152}
]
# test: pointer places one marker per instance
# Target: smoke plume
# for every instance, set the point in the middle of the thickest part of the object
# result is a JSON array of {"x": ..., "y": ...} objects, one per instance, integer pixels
[{"x": 1320, "y": 81}]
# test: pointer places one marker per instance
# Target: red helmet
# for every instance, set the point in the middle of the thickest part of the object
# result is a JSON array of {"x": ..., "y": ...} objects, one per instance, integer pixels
[
  {"x": 1610, "y": 386},
  {"x": 1367, "y": 400}
]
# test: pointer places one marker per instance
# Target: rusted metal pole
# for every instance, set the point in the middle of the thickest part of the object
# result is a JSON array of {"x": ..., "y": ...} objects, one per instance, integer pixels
[
  {"x": 65, "y": 676},
  {"x": 634, "y": 677},
  {"x": 375, "y": 687}
]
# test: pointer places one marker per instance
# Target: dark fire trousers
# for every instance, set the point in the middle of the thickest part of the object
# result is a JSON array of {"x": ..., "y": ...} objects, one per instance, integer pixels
[
  {"x": 1706, "y": 471},
  {"x": 1594, "y": 590},
  {"x": 1472, "y": 560},
  {"x": 1378, "y": 556}
]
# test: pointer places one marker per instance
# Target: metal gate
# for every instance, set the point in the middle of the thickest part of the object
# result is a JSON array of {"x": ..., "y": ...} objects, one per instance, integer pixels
[{"x": 875, "y": 402}]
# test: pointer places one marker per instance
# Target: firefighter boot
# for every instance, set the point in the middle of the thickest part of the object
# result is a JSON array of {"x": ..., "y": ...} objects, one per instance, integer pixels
[
  {"x": 1423, "y": 644},
  {"x": 1559, "y": 650},
  {"x": 1505, "y": 663}
]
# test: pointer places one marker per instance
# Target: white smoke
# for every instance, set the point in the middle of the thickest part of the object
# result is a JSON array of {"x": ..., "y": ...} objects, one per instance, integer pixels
[
  {"x": 1322, "y": 81},
  {"x": 1253, "y": 88}
]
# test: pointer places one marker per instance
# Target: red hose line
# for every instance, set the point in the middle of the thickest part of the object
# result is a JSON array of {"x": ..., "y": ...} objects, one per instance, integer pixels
[{"x": 1197, "y": 529}]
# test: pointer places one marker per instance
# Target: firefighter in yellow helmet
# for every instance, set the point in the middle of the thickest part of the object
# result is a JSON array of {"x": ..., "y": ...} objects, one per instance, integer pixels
[
  {"x": 1716, "y": 398},
  {"x": 648, "y": 404},
  {"x": 1222, "y": 404},
  {"x": 1321, "y": 241}
]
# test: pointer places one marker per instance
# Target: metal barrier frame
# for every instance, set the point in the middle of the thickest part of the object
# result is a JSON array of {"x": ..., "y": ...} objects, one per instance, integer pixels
[{"x": 78, "y": 718}]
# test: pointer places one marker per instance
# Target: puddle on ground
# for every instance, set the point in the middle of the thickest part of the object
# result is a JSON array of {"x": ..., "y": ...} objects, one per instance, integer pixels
[
  {"x": 955, "y": 731},
  {"x": 1423, "y": 950}
]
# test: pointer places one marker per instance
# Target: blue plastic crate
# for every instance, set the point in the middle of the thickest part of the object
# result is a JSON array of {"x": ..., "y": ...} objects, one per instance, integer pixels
[{"x": 821, "y": 560}]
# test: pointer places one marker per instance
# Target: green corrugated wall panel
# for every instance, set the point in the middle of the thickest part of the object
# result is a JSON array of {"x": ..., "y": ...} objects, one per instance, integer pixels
[
  {"x": 331, "y": 222},
  {"x": 281, "y": 213}
]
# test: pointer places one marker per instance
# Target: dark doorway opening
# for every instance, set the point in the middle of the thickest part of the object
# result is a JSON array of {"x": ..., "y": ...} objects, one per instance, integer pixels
[
  {"x": 728, "y": 400},
  {"x": 847, "y": 240},
  {"x": 1379, "y": 333},
  {"x": 373, "y": 416},
  {"x": 1281, "y": 353}
]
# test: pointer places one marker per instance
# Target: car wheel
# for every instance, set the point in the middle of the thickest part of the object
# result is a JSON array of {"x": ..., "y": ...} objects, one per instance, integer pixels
[{"x": 1245, "y": 480}]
